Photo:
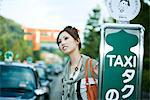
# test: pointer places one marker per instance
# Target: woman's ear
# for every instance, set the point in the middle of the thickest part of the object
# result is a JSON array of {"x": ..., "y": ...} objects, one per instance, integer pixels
[{"x": 78, "y": 41}]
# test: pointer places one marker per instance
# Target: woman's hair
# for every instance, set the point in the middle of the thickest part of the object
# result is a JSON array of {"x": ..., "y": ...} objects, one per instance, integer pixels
[{"x": 73, "y": 32}]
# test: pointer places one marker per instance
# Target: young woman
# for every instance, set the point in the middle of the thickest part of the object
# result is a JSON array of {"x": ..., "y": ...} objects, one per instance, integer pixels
[{"x": 73, "y": 81}]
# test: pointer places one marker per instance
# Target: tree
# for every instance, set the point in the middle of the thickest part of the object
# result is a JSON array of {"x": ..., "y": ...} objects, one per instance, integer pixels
[
  {"x": 92, "y": 34},
  {"x": 9, "y": 26},
  {"x": 144, "y": 19},
  {"x": 12, "y": 39}
]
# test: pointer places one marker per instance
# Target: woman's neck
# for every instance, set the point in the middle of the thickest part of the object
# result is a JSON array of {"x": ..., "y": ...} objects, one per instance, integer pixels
[{"x": 75, "y": 57}]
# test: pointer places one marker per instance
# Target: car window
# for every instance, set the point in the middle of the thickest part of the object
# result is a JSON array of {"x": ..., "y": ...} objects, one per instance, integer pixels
[
  {"x": 17, "y": 77},
  {"x": 41, "y": 73}
]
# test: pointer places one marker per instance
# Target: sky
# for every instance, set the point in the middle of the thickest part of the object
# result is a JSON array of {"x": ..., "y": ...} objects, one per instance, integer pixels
[{"x": 50, "y": 14}]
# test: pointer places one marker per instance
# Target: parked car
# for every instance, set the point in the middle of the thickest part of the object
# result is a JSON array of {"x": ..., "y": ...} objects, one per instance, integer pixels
[
  {"x": 50, "y": 69},
  {"x": 44, "y": 79},
  {"x": 54, "y": 69},
  {"x": 41, "y": 64},
  {"x": 20, "y": 82}
]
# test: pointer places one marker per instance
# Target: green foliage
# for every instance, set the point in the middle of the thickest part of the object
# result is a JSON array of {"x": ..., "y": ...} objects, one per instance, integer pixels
[
  {"x": 144, "y": 19},
  {"x": 92, "y": 34},
  {"x": 146, "y": 80},
  {"x": 8, "y": 26},
  {"x": 12, "y": 39},
  {"x": 146, "y": 63},
  {"x": 18, "y": 45},
  {"x": 36, "y": 55}
]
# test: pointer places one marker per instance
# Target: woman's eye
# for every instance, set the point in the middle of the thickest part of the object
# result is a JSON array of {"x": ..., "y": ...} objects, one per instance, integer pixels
[
  {"x": 59, "y": 42},
  {"x": 66, "y": 38}
]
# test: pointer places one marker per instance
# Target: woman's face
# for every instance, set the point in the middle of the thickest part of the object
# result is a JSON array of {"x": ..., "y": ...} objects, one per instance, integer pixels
[{"x": 67, "y": 43}]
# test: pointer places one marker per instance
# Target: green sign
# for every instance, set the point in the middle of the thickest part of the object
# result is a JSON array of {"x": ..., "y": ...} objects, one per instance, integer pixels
[
  {"x": 29, "y": 60},
  {"x": 8, "y": 56},
  {"x": 121, "y": 53}
]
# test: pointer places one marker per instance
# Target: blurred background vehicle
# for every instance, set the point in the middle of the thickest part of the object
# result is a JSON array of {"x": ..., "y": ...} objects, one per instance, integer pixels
[
  {"x": 44, "y": 79},
  {"x": 41, "y": 63},
  {"x": 20, "y": 81},
  {"x": 54, "y": 69}
]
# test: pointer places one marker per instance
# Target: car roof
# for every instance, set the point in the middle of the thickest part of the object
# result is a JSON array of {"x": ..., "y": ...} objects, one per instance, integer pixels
[{"x": 17, "y": 64}]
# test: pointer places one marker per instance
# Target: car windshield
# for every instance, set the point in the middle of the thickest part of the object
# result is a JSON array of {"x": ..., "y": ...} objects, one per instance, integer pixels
[{"x": 16, "y": 77}]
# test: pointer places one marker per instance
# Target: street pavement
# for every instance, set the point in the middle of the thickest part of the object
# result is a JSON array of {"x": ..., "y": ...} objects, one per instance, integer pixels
[{"x": 55, "y": 93}]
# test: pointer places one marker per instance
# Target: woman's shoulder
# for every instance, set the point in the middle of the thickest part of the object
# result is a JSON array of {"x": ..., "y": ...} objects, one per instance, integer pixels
[{"x": 85, "y": 57}]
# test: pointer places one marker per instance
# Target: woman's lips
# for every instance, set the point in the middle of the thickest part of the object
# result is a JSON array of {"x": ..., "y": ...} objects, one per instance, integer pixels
[{"x": 64, "y": 48}]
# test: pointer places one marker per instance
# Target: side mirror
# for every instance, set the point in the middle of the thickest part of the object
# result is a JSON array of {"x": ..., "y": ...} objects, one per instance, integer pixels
[
  {"x": 40, "y": 91},
  {"x": 45, "y": 83}
]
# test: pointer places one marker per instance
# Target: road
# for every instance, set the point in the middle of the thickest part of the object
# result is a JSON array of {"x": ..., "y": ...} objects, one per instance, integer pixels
[{"x": 55, "y": 88}]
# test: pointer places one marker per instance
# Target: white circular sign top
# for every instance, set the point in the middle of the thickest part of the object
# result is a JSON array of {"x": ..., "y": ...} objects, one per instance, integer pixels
[{"x": 123, "y": 10}]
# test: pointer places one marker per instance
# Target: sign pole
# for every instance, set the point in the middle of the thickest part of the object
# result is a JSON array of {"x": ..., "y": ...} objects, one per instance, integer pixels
[{"x": 121, "y": 53}]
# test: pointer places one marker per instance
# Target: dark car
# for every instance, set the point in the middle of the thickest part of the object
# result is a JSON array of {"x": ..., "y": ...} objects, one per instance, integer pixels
[
  {"x": 54, "y": 69},
  {"x": 19, "y": 82},
  {"x": 45, "y": 81}
]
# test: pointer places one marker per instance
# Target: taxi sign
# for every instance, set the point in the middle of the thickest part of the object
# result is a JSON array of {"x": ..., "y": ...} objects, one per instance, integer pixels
[{"x": 121, "y": 59}]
